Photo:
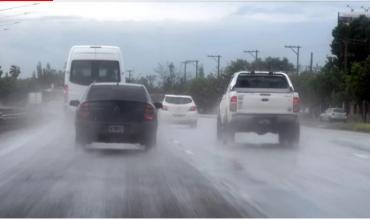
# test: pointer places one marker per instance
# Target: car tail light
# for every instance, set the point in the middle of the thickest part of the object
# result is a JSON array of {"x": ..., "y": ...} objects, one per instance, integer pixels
[
  {"x": 193, "y": 108},
  {"x": 148, "y": 112},
  {"x": 233, "y": 103},
  {"x": 165, "y": 108},
  {"x": 65, "y": 91},
  {"x": 296, "y": 103},
  {"x": 84, "y": 110}
]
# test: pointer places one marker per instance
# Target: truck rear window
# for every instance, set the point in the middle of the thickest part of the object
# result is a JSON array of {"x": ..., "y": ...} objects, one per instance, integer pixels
[
  {"x": 117, "y": 93},
  {"x": 84, "y": 72},
  {"x": 269, "y": 81}
]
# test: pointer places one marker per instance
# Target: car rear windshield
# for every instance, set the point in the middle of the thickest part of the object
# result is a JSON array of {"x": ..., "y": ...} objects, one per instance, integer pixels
[
  {"x": 117, "y": 93},
  {"x": 262, "y": 82},
  {"x": 339, "y": 110},
  {"x": 178, "y": 100},
  {"x": 84, "y": 72}
]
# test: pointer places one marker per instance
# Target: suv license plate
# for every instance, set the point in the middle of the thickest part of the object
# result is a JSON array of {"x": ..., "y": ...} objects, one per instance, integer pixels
[{"x": 116, "y": 129}]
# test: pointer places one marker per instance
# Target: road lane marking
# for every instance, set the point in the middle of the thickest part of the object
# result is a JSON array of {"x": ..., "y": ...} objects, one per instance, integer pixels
[{"x": 22, "y": 141}]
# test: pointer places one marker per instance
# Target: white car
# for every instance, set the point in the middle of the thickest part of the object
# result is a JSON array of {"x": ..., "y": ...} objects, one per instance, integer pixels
[
  {"x": 179, "y": 109},
  {"x": 260, "y": 102},
  {"x": 334, "y": 114},
  {"x": 88, "y": 64}
]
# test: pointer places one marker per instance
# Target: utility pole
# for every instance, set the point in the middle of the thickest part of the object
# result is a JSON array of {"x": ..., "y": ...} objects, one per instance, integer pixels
[
  {"x": 185, "y": 63},
  {"x": 129, "y": 74},
  {"x": 196, "y": 68},
  {"x": 218, "y": 57},
  {"x": 295, "y": 50},
  {"x": 345, "y": 56},
  {"x": 311, "y": 62},
  {"x": 253, "y": 53}
]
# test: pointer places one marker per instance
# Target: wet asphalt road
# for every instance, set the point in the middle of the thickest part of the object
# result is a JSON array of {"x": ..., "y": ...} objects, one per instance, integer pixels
[{"x": 189, "y": 174}]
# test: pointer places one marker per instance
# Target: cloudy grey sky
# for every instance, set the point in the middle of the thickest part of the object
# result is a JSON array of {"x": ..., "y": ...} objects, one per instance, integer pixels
[{"x": 150, "y": 33}]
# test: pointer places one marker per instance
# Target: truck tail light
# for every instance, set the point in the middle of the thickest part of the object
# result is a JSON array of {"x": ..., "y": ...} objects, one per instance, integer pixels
[
  {"x": 148, "y": 112},
  {"x": 84, "y": 110},
  {"x": 233, "y": 103},
  {"x": 296, "y": 103}
]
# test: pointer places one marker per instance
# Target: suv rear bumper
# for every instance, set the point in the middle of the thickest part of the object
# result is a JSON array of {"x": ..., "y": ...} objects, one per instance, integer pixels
[{"x": 261, "y": 123}]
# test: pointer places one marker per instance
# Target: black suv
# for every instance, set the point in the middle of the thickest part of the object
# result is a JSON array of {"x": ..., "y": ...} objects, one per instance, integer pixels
[{"x": 116, "y": 112}]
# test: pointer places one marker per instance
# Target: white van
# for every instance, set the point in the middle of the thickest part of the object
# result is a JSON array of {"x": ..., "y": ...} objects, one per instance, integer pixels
[{"x": 88, "y": 64}]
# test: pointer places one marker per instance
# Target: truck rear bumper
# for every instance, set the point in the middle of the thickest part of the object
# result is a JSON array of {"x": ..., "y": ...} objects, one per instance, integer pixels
[{"x": 261, "y": 123}]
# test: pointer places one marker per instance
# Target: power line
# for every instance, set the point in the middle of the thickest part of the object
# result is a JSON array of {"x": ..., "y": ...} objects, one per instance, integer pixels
[
  {"x": 218, "y": 58},
  {"x": 295, "y": 50},
  {"x": 21, "y": 6},
  {"x": 253, "y": 53},
  {"x": 15, "y": 15},
  {"x": 12, "y": 23}
]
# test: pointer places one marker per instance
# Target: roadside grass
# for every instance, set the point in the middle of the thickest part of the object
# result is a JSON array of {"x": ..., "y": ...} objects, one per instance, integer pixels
[{"x": 352, "y": 126}]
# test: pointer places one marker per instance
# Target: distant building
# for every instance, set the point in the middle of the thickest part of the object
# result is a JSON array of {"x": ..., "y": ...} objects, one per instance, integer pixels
[{"x": 347, "y": 17}]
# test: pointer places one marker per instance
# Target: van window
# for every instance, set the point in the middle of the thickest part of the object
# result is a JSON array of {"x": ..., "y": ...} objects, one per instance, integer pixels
[
  {"x": 84, "y": 72},
  {"x": 262, "y": 82}
]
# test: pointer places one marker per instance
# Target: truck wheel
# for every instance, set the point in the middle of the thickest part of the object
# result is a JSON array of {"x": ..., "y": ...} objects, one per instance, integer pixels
[
  {"x": 228, "y": 135},
  {"x": 290, "y": 134},
  {"x": 219, "y": 128}
]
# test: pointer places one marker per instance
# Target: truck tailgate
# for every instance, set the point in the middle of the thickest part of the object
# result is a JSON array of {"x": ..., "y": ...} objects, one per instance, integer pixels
[{"x": 265, "y": 103}]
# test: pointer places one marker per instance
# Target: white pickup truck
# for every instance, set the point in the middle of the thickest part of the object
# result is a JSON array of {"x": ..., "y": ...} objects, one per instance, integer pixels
[{"x": 261, "y": 102}]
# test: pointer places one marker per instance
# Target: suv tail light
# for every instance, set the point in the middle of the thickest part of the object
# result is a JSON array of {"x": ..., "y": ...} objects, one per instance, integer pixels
[
  {"x": 193, "y": 108},
  {"x": 84, "y": 111},
  {"x": 296, "y": 102},
  {"x": 233, "y": 103},
  {"x": 165, "y": 108},
  {"x": 148, "y": 112}
]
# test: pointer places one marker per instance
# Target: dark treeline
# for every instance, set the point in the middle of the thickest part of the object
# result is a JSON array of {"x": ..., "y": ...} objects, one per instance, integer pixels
[
  {"x": 14, "y": 89},
  {"x": 344, "y": 80}
]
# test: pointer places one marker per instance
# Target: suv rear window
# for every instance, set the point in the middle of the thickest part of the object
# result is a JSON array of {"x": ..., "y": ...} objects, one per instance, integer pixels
[
  {"x": 338, "y": 110},
  {"x": 178, "y": 100},
  {"x": 117, "y": 92},
  {"x": 84, "y": 72},
  {"x": 262, "y": 82}
]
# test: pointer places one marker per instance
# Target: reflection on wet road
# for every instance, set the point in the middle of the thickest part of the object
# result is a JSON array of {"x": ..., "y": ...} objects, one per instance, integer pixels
[{"x": 189, "y": 174}]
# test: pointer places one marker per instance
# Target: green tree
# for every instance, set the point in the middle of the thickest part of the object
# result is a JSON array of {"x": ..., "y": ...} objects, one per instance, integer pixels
[
  {"x": 356, "y": 35},
  {"x": 14, "y": 71}
]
